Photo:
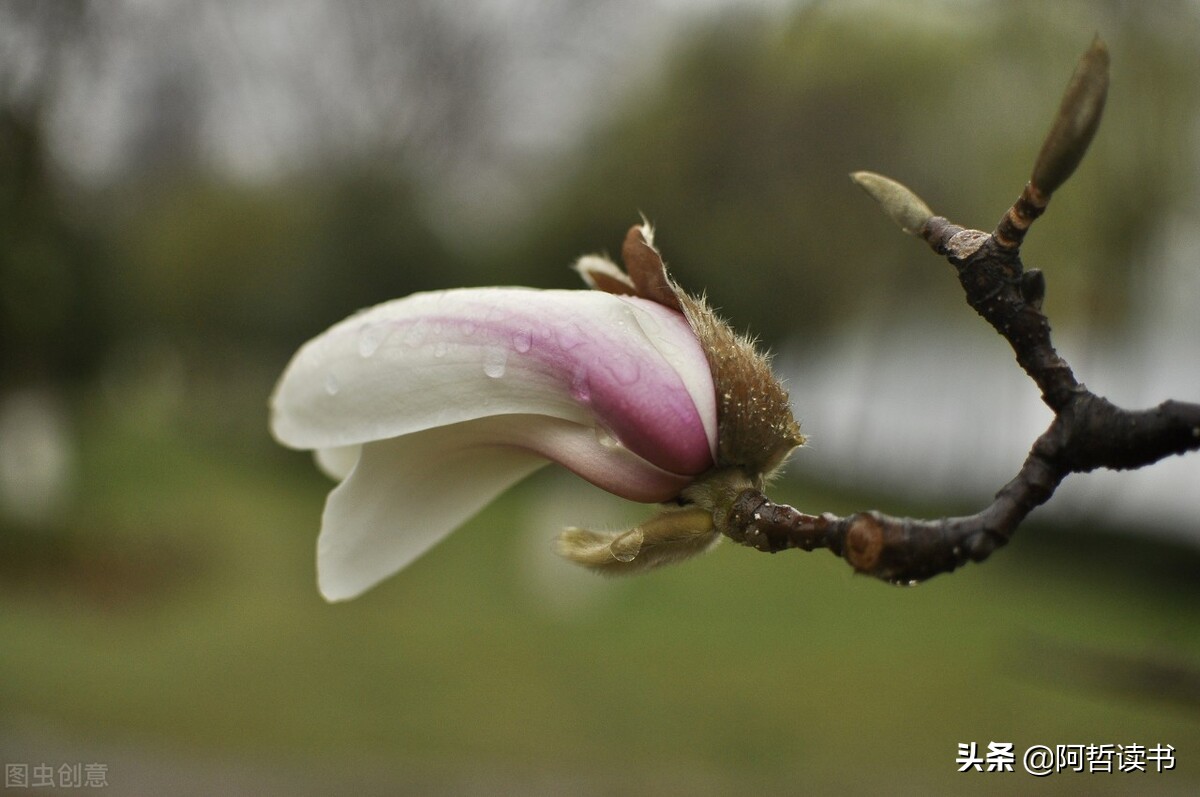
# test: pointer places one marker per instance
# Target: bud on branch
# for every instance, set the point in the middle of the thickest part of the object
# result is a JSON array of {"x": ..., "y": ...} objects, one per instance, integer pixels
[
  {"x": 898, "y": 201},
  {"x": 1065, "y": 145},
  {"x": 1088, "y": 431},
  {"x": 1076, "y": 123}
]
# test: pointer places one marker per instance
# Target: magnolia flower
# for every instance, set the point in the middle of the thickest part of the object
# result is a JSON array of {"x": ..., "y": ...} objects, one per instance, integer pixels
[{"x": 426, "y": 408}]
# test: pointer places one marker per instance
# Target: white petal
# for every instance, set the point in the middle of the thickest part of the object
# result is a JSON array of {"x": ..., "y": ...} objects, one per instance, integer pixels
[
  {"x": 406, "y": 494},
  {"x": 336, "y": 463},
  {"x": 435, "y": 359},
  {"x": 402, "y": 498}
]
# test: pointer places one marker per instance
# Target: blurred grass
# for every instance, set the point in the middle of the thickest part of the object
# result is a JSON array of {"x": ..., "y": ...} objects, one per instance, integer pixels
[{"x": 783, "y": 673}]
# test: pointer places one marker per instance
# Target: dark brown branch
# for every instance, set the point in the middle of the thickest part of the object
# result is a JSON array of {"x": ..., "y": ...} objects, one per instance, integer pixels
[
  {"x": 1087, "y": 432},
  {"x": 1009, "y": 298}
]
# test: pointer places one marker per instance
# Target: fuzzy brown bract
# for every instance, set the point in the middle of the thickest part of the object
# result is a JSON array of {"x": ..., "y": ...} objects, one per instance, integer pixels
[{"x": 756, "y": 428}]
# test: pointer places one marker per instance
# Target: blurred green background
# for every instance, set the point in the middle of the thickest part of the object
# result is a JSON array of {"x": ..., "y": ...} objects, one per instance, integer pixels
[{"x": 188, "y": 192}]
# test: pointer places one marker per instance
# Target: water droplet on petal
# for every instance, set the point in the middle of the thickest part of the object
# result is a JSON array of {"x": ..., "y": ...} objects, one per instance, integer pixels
[
  {"x": 467, "y": 327},
  {"x": 522, "y": 340},
  {"x": 415, "y": 334},
  {"x": 369, "y": 339},
  {"x": 623, "y": 368},
  {"x": 331, "y": 384},
  {"x": 494, "y": 362},
  {"x": 606, "y": 438},
  {"x": 581, "y": 391},
  {"x": 440, "y": 349}
]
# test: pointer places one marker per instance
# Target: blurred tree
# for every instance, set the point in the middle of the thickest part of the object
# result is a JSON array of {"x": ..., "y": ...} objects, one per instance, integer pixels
[
  {"x": 54, "y": 319},
  {"x": 214, "y": 265}
]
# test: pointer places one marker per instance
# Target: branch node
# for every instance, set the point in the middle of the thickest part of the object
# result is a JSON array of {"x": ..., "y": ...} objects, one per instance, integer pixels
[
  {"x": 965, "y": 243},
  {"x": 981, "y": 545},
  {"x": 864, "y": 542},
  {"x": 1030, "y": 205},
  {"x": 1033, "y": 288}
]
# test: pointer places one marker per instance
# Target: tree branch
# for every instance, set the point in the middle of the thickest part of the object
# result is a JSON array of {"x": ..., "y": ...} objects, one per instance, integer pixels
[{"x": 1087, "y": 432}]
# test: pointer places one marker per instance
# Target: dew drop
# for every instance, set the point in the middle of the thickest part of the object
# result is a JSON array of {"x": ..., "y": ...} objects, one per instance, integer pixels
[
  {"x": 467, "y": 327},
  {"x": 606, "y": 438},
  {"x": 522, "y": 340},
  {"x": 331, "y": 384},
  {"x": 415, "y": 334},
  {"x": 626, "y": 547},
  {"x": 581, "y": 390},
  {"x": 370, "y": 338},
  {"x": 623, "y": 368},
  {"x": 440, "y": 349},
  {"x": 494, "y": 362},
  {"x": 624, "y": 553}
]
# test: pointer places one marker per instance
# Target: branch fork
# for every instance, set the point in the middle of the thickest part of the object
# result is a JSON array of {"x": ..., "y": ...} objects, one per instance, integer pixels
[{"x": 1087, "y": 432}]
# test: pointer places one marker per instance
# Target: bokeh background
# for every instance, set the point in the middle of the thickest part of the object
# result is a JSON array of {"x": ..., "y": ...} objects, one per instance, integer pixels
[{"x": 188, "y": 191}]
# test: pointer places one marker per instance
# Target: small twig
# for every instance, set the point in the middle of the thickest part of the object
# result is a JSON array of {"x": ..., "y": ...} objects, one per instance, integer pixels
[
  {"x": 1087, "y": 432},
  {"x": 1065, "y": 145}
]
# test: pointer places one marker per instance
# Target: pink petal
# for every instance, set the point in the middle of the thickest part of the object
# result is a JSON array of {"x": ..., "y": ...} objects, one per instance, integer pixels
[{"x": 625, "y": 366}]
